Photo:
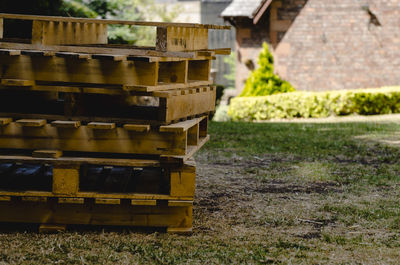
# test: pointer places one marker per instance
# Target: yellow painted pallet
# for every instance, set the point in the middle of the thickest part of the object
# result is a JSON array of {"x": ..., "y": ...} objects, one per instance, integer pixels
[
  {"x": 161, "y": 107},
  {"x": 81, "y": 190},
  {"x": 171, "y": 37},
  {"x": 40, "y": 69},
  {"x": 55, "y": 215},
  {"x": 106, "y": 180},
  {"x": 180, "y": 139}
]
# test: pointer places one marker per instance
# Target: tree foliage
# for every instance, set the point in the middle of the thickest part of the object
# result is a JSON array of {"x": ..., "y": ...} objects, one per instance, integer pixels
[
  {"x": 263, "y": 81},
  {"x": 135, "y": 10}
]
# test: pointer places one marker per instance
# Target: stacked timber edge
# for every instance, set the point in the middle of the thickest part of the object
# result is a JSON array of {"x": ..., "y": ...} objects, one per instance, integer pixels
[{"x": 102, "y": 134}]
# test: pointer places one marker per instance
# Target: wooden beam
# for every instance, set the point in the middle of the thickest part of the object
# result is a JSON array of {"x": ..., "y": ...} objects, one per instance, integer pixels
[
  {"x": 66, "y": 124},
  {"x": 47, "y": 153},
  {"x": 171, "y": 38},
  {"x": 56, "y": 69},
  {"x": 101, "y": 125},
  {"x": 180, "y": 127},
  {"x": 107, "y": 201},
  {"x": 82, "y": 56},
  {"x": 177, "y": 219},
  {"x": 5, "y": 121},
  {"x": 31, "y": 122},
  {"x": 10, "y": 52},
  {"x": 82, "y": 160},
  {"x": 71, "y": 200},
  {"x": 86, "y": 139},
  {"x": 17, "y": 82},
  {"x": 144, "y": 202},
  {"x": 110, "y": 21},
  {"x": 96, "y": 50}
]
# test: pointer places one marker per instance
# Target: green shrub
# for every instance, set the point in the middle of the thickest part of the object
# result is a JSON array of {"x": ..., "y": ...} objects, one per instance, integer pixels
[
  {"x": 384, "y": 100},
  {"x": 263, "y": 81}
]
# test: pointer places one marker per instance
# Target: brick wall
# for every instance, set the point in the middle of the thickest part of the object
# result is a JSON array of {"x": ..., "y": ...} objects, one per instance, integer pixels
[
  {"x": 337, "y": 44},
  {"x": 249, "y": 39},
  {"x": 326, "y": 45}
]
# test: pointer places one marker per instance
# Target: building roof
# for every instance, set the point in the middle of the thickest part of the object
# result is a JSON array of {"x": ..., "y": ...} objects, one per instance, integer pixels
[{"x": 242, "y": 8}]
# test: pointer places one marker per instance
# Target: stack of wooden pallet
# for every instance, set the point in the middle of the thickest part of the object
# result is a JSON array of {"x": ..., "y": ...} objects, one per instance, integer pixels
[{"x": 94, "y": 133}]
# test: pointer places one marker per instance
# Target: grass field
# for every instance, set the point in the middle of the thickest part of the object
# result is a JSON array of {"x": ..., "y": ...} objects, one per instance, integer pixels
[{"x": 267, "y": 193}]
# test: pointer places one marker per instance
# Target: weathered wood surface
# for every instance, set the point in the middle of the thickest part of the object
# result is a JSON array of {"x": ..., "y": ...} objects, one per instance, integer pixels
[
  {"x": 174, "y": 218},
  {"x": 34, "y": 67},
  {"x": 160, "y": 107},
  {"x": 110, "y": 21},
  {"x": 99, "y": 137},
  {"x": 77, "y": 180}
]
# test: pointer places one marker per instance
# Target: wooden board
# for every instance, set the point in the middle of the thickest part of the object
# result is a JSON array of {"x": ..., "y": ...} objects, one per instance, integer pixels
[
  {"x": 159, "y": 107},
  {"x": 63, "y": 33},
  {"x": 106, "y": 182},
  {"x": 88, "y": 138},
  {"x": 110, "y": 21},
  {"x": 69, "y": 70},
  {"x": 172, "y": 38},
  {"x": 174, "y": 218},
  {"x": 40, "y": 67}
]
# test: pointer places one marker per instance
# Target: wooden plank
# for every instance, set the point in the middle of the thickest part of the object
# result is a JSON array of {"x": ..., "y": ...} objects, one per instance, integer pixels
[
  {"x": 101, "y": 125},
  {"x": 17, "y": 82},
  {"x": 47, "y": 153},
  {"x": 172, "y": 38},
  {"x": 85, "y": 139},
  {"x": 66, "y": 124},
  {"x": 173, "y": 203},
  {"x": 180, "y": 127},
  {"x": 74, "y": 55},
  {"x": 10, "y": 52},
  {"x": 137, "y": 127},
  {"x": 107, "y": 201},
  {"x": 52, "y": 228},
  {"x": 5, "y": 198},
  {"x": 190, "y": 104},
  {"x": 33, "y": 199},
  {"x": 82, "y": 160},
  {"x": 91, "y": 195},
  {"x": 5, "y": 121},
  {"x": 110, "y": 21},
  {"x": 179, "y": 230},
  {"x": 31, "y": 122},
  {"x": 222, "y": 51},
  {"x": 71, "y": 200},
  {"x": 170, "y": 86},
  {"x": 56, "y": 69},
  {"x": 96, "y": 50},
  {"x": 38, "y": 53},
  {"x": 172, "y": 105},
  {"x": 59, "y": 32},
  {"x": 98, "y": 214},
  {"x": 144, "y": 202}
]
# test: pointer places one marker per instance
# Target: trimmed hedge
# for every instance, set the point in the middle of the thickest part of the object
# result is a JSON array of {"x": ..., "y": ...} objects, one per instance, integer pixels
[{"x": 384, "y": 100}]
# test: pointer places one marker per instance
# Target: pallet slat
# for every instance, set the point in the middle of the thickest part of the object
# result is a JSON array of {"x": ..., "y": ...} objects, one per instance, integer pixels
[{"x": 102, "y": 137}]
